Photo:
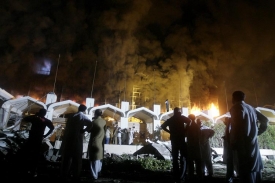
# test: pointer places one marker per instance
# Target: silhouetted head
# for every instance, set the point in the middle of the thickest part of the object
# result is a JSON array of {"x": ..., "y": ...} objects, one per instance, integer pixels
[
  {"x": 82, "y": 108},
  {"x": 42, "y": 112},
  {"x": 192, "y": 117},
  {"x": 238, "y": 96},
  {"x": 98, "y": 112},
  {"x": 177, "y": 111}
]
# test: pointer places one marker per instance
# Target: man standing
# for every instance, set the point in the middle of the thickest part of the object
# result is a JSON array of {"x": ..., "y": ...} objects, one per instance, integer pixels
[
  {"x": 107, "y": 135},
  {"x": 206, "y": 156},
  {"x": 176, "y": 125},
  {"x": 72, "y": 144},
  {"x": 167, "y": 105},
  {"x": 119, "y": 132},
  {"x": 243, "y": 138},
  {"x": 229, "y": 156},
  {"x": 194, "y": 150},
  {"x": 115, "y": 130},
  {"x": 130, "y": 136},
  {"x": 34, "y": 142},
  {"x": 96, "y": 143}
]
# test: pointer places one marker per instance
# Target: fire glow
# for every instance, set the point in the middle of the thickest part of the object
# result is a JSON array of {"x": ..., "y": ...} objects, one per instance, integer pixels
[{"x": 212, "y": 110}]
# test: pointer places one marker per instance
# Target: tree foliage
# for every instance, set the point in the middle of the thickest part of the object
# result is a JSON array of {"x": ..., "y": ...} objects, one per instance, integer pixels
[{"x": 265, "y": 140}]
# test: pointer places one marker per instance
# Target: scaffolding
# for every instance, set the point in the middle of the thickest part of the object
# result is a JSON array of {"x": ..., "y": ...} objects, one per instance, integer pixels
[{"x": 135, "y": 97}]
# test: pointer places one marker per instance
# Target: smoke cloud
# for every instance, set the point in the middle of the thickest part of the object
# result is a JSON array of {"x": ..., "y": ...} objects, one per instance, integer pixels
[{"x": 143, "y": 52}]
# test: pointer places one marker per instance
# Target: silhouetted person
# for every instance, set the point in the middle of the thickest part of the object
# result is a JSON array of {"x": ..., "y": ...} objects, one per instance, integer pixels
[
  {"x": 72, "y": 144},
  {"x": 176, "y": 125},
  {"x": 119, "y": 134},
  {"x": 167, "y": 105},
  {"x": 243, "y": 138},
  {"x": 206, "y": 155},
  {"x": 229, "y": 156},
  {"x": 32, "y": 149},
  {"x": 96, "y": 143},
  {"x": 124, "y": 137},
  {"x": 115, "y": 130},
  {"x": 193, "y": 150}
]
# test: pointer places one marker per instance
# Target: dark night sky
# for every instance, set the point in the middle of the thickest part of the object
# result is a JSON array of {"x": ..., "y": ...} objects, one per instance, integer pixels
[{"x": 190, "y": 52}]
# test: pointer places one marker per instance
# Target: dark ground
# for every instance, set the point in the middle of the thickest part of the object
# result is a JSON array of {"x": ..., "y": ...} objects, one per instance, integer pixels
[{"x": 48, "y": 172}]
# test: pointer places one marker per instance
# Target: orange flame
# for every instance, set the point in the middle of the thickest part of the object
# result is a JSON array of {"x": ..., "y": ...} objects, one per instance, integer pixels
[
  {"x": 195, "y": 110},
  {"x": 212, "y": 110}
]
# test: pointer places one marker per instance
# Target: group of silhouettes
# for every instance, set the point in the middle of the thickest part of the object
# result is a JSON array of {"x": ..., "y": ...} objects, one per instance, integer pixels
[
  {"x": 71, "y": 149},
  {"x": 190, "y": 148},
  {"x": 191, "y": 152}
]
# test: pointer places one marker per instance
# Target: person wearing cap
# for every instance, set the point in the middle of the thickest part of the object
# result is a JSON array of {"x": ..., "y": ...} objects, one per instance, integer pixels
[
  {"x": 32, "y": 149},
  {"x": 175, "y": 126},
  {"x": 71, "y": 149},
  {"x": 96, "y": 143},
  {"x": 246, "y": 124}
]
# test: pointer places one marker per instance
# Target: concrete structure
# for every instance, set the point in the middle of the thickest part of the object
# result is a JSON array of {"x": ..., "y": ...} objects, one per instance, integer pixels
[
  {"x": 14, "y": 109},
  {"x": 221, "y": 118},
  {"x": 269, "y": 113}
]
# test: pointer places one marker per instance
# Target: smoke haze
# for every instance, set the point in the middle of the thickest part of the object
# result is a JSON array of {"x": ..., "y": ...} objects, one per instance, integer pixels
[{"x": 190, "y": 52}]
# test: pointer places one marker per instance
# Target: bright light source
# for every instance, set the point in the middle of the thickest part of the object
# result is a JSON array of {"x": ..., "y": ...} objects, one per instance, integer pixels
[
  {"x": 195, "y": 110},
  {"x": 213, "y": 111}
]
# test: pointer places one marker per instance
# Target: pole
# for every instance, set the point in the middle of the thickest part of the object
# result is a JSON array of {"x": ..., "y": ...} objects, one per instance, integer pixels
[
  {"x": 56, "y": 73},
  {"x": 154, "y": 85},
  {"x": 125, "y": 82},
  {"x": 180, "y": 94},
  {"x": 93, "y": 79},
  {"x": 225, "y": 96}
]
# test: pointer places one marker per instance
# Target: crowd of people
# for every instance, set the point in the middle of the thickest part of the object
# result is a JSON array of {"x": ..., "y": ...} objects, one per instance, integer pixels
[
  {"x": 191, "y": 151},
  {"x": 190, "y": 147},
  {"x": 119, "y": 136}
]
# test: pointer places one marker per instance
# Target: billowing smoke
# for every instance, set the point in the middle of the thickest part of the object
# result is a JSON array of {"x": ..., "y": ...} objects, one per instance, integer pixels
[{"x": 144, "y": 52}]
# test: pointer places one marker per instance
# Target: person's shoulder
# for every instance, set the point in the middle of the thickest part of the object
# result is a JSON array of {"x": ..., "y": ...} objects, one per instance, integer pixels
[
  {"x": 30, "y": 116},
  {"x": 185, "y": 118},
  {"x": 102, "y": 119},
  {"x": 47, "y": 120},
  {"x": 238, "y": 106},
  {"x": 71, "y": 115},
  {"x": 82, "y": 115}
]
